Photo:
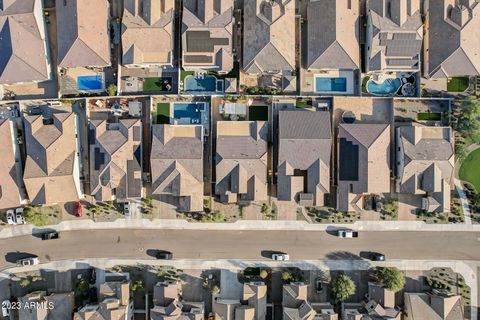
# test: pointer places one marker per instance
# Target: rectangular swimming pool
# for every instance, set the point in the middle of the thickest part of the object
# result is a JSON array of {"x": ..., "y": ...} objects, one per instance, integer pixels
[
  {"x": 206, "y": 83},
  {"x": 192, "y": 111},
  {"x": 330, "y": 84},
  {"x": 88, "y": 83}
]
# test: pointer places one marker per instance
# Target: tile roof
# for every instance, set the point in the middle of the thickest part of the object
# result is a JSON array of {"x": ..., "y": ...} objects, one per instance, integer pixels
[
  {"x": 396, "y": 34},
  {"x": 9, "y": 180},
  {"x": 269, "y": 36},
  {"x": 295, "y": 304},
  {"x": 155, "y": 21},
  {"x": 49, "y": 175},
  {"x": 453, "y": 39},
  {"x": 305, "y": 142},
  {"x": 115, "y": 159},
  {"x": 22, "y": 39},
  {"x": 207, "y": 31},
  {"x": 420, "y": 306},
  {"x": 82, "y": 36},
  {"x": 241, "y": 160},
  {"x": 333, "y": 30},
  {"x": 177, "y": 165}
]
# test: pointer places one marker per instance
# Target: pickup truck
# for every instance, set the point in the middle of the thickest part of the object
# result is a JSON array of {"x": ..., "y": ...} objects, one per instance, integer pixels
[
  {"x": 346, "y": 233},
  {"x": 50, "y": 235}
]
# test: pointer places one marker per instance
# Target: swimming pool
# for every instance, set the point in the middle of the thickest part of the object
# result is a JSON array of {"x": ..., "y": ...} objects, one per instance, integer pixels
[
  {"x": 185, "y": 111},
  {"x": 388, "y": 86},
  {"x": 207, "y": 83},
  {"x": 88, "y": 83},
  {"x": 330, "y": 84}
]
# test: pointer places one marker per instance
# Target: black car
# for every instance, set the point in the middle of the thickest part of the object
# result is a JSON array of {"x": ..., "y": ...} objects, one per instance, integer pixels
[
  {"x": 375, "y": 256},
  {"x": 50, "y": 235},
  {"x": 164, "y": 255}
]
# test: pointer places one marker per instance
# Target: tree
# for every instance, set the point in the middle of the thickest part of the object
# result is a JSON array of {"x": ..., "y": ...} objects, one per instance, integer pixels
[
  {"x": 138, "y": 286},
  {"x": 391, "y": 278},
  {"x": 112, "y": 90},
  {"x": 342, "y": 288},
  {"x": 25, "y": 283}
]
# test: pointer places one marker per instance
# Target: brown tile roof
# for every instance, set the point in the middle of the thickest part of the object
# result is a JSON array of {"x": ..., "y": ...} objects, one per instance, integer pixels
[
  {"x": 453, "y": 39},
  {"x": 139, "y": 28},
  {"x": 82, "y": 36},
  {"x": 9, "y": 180},
  {"x": 115, "y": 159},
  {"x": 49, "y": 173},
  {"x": 241, "y": 160},
  {"x": 269, "y": 36},
  {"x": 177, "y": 165},
  {"x": 23, "y": 55},
  {"x": 427, "y": 306}
]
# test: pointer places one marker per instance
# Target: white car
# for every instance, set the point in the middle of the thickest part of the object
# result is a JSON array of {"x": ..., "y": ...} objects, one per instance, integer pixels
[
  {"x": 11, "y": 217},
  {"x": 126, "y": 209},
  {"x": 347, "y": 233},
  {"x": 28, "y": 261},
  {"x": 280, "y": 257},
  {"x": 19, "y": 217}
]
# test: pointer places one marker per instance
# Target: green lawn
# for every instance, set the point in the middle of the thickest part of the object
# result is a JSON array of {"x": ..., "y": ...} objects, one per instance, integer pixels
[
  {"x": 364, "y": 84},
  {"x": 163, "y": 113},
  {"x": 156, "y": 84},
  {"x": 304, "y": 103},
  {"x": 258, "y": 113},
  {"x": 184, "y": 74},
  {"x": 470, "y": 169},
  {"x": 457, "y": 84},
  {"x": 429, "y": 116}
]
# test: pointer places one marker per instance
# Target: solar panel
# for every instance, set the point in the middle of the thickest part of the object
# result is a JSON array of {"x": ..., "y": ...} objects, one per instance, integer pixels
[
  {"x": 200, "y": 41},
  {"x": 348, "y": 166},
  {"x": 198, "y": 59}
]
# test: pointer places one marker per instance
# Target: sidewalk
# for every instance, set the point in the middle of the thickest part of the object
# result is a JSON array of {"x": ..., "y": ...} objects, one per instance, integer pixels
[
  {"x": 251, "y": 225},
  {"x": 463, "y": 197}
]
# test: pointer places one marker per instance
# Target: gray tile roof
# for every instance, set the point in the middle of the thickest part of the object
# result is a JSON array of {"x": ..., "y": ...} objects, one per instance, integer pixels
[
  {"x": 241, "y": 160},
  {"x": 115, "y": 159},
  {"x": 305, "y": 142},
  {"x": 453, "y": 39},
  {"x": 333, "y": 30},
  {"x": 23, "y": 57},
  {"x": 49, "y": 173},
  {"x": 9, "y": 180},
  {"x": 155, "y": 21},
  {"x": 82, "y": 36},
  {"x": 396, "y": 35},
  {"x": 177, "y": 165},
  {"x": 269, "y": 36},
  {"x": 207, "y": 31}
]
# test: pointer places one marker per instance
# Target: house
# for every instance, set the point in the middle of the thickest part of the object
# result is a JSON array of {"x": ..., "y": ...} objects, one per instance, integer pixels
[
  {"x": 332, "y": 48},
  {"x": 419, "y": 306},
  {"x": 207, "y": 35},
  {"x": 452, "y": 42},
  {"x": 168, "y": 304},
  {"x": 252, "y": 306},
  {"x": 363, "y": 163},
  {"x": 177, "y": 165},
  {"x": 114, "y": 303},
  {"x": 144, "y": 20},
  {"x": 394, "y": 36},
  {"x": 56, "y": 306},
  {"x": 10, "y": 167},
  {"x": 269, "y": 37},
  {"x": 24, "y": 55},
  {"x": 241, "y": 161},
  {"x": 115, "y": 159},
  {"x": 305, "y": 143},
  {"x": 52, "y": 163},
  {"x": 83, "y": 37},
  {"x": 425, "y": 164},
  {"x": 381, "y": 303},
  {"x": 295, "y": 304}
]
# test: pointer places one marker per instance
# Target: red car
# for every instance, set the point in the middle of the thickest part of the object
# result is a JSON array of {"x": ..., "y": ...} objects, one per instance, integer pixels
[{"x": 78, "y": 209}]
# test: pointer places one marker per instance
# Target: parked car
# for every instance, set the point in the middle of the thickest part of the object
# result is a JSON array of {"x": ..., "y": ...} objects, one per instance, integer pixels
[
  {"x": 318, "y": 285},
  {"x": 11, "y": 217},
  {"x": 347, "y": 233},
  {"x": 375, "y": 256},
  {"x": 164, "y": 255},
  {"x": 49, "y": 235},
  {"x": 6, "y": 305},
  {"x": 19, "y": 216},
  {"x": 28, "y": 261},
  {"x": 126, "y": 209},
  {"x": 77, "y": 209},
  {"x": 280, "y": 257}
]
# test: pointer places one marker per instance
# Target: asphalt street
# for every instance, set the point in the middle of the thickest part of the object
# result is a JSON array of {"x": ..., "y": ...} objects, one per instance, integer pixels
[{"x": 243, "y": 245}]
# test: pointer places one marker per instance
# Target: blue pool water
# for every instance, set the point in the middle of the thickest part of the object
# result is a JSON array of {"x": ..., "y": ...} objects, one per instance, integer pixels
[
  {"x": 188, "y": 110},
  {"x": 90, "y": 82},
  {"x": 331, "y": 84},
  {"x": 388, "y": 86},
  {"x": 208, "y": 83}
]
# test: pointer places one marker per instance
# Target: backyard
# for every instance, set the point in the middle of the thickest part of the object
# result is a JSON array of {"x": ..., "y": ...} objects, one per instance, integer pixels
[
  {"x": 429, "y": 116},
  {"x": 162, "y": 113},
  {"x": 157, "y": 84},
  {"x": 470, "y": 169},
  {"x": 258, "y": 113},
  {"x": 457, "y": 84}
]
